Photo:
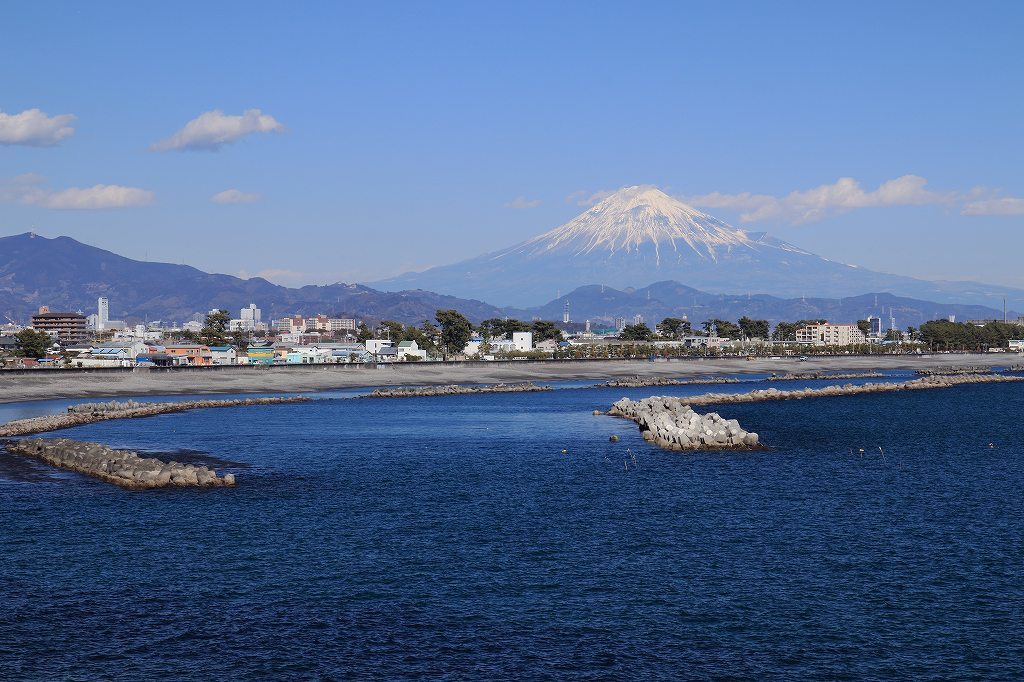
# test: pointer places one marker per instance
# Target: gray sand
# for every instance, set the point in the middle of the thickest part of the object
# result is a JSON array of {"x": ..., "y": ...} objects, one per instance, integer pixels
[{"x": 47, "y": 384}]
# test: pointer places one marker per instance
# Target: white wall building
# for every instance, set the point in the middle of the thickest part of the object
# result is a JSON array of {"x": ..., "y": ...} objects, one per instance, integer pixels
[
  {"x": 522, "y": 341},
  {"x": 374, "y": 346},
  {"x": 830, "y": 335},
  {"x": 407, "y": 349}
]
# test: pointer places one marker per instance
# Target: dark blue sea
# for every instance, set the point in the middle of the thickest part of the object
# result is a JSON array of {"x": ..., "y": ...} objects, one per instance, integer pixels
[{"x": 504, "y": 537}]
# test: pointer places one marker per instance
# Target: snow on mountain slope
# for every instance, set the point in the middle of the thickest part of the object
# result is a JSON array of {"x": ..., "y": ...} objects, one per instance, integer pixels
[{"x": 635, "y": 216}]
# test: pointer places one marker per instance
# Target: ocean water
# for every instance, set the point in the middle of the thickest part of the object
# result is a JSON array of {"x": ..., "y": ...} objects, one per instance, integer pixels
[{"x": 505, "y": 537}]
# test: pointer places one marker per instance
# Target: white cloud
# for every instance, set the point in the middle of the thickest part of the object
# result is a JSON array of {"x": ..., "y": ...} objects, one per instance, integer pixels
[
  {"x": 30, "y": 189},
  {"x": 523, "y": 202},
  {"x": 214, "y": 129},
  {"x": 35, "y": 128},
  {"x": 1003, "y": 206},
  {"x": 585, "y": 199},
  {"x": 234, "y": 196},
  {"x": 807, "y": 206}
]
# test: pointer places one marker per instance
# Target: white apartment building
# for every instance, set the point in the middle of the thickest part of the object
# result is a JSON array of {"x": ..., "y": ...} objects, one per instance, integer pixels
[{"x": 830, "y": 335}]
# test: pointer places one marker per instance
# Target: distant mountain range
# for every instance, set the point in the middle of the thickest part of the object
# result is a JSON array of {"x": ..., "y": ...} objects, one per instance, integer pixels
[
  {"x": 65, "y": 274},
  {"x": 601, "y": 304},
  {"x": 640, "y": 235}
]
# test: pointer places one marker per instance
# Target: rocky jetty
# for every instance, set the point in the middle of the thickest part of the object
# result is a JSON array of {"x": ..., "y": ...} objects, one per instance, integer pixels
[
  {"x": 638, "y": 381},
  {"x": 761, "y": 395},
  {"x": 109, "y": 406},
  {"x": 672, "y": 424},
  {"x": 88, "y": 413},
  {"x": 953, "y": 370},
  {"x": 120, "y": 467},
  {"x": 455, "y": 389},
  {"x": 826, "y": 376}
]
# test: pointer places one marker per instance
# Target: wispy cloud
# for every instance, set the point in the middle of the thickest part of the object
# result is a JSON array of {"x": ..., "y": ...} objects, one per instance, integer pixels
[
  {"x": 234, "y": 196},
  {"x": 214, "y": 129},
  {"x": 30, "y": 189},
  {"x": 807, "y": 206},
  {"x": 1003, "y": 206},
  {"x": 586, "y": 199},
  {"x": 34, "y": 128},
  {"x": 523, "y": 202}
]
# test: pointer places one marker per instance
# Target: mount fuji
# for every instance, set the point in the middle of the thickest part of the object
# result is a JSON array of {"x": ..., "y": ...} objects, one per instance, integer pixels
[{"x": 640, "y": 235}]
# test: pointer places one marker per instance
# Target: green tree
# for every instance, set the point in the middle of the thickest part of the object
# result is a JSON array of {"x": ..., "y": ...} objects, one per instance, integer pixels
[
  {"x": 753, "y": 329},
  {"x": 784, "y": 331},
  {"x": 30, "y": 343},
  {"x": 363, "y": 333},
  {"x": 864, "y": 326},
  {"x": 727, "y": 329},
  {"x": 636, "y": 332},
  {"x": 674, "y": 327},
  {"x": 544, "y": 330},
  {"x": 389, "y": 329},
  {"x": 215, "y": 331},
  {"x": 455, "y": 331}
]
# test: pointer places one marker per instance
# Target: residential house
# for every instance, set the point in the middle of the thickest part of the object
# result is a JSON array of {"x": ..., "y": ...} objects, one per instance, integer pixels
[
  {"x": 196, "y": 355},
  {"x": 224, "y": 355},
  {"x": 411, "y": 349}
]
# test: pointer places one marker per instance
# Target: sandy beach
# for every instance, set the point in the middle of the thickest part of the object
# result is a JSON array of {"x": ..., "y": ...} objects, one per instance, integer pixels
[{"x": 48, "y": 384}]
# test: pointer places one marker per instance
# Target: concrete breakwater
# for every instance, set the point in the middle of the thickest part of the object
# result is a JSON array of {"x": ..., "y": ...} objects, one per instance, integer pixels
[
  {"x": 761, "y": 395},
  {"x": 120, "y": 467},
  {"x": 645, "y": 382},
  {"x": 672, "y": 424},
  {"x": 455, "y": 389},
  {"x": 828, "y": 376},
  {"x": 87, "y": 414}
]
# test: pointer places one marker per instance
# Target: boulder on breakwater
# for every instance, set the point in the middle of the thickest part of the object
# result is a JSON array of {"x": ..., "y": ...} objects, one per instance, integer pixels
[
  {"x": 88, "y": 413},
  {"x": 670, "y": 423},
  {"x": 455, "y": 389},
  {"x": 813, "y": 376},
  {"x": 954, "y": 370},
  {"x": 120, "y": 467},
  {"x": 638, "y": 381}
]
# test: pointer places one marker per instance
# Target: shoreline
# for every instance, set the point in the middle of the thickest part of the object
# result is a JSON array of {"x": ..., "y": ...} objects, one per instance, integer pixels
[{"x": 17, "y": 387}]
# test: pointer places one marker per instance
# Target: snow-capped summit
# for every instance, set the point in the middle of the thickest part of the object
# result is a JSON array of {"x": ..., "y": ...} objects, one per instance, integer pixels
[
  {"x": 640, "y": 235},
  {"x": 638, "y": 216}
]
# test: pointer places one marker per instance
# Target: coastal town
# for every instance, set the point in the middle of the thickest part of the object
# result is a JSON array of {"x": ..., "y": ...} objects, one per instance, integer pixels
[{"x": 61, "y": 339}]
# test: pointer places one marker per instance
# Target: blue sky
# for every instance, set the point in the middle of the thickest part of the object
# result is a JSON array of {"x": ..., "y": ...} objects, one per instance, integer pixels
[{"x": 398, "y": 136}]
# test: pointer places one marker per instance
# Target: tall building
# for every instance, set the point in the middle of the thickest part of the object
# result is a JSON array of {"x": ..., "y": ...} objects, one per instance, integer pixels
[
  {"x": 875, "y": 328},
  {"x": 66, "y": 328},
  {"x": 102, "y": 313},
  {"x": 830, "y": 335},
  {"x": 251, "y": 314},
  {"x": 638, "y": 319},
  {"x": 620, "y": 323},
  {"x": 565, "y": 314}
]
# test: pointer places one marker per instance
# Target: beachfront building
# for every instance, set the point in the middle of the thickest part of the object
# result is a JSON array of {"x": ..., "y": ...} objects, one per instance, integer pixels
[
  {"x": 223, "y": 355},
  {"x": 194, "y": 354},
  {"x": 830, "y": 335},
  {"x": 260, "y": 355},
  {"x": 411, "y": 349},
  {"x": 522, "y": 341},
  {"x": 473, "y": 346}
]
